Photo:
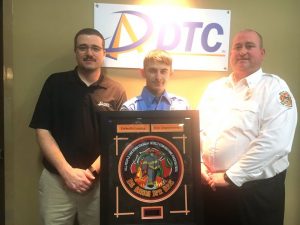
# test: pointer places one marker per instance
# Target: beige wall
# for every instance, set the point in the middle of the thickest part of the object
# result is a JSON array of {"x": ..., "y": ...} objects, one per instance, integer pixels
[{"x": 38, "y": 37}]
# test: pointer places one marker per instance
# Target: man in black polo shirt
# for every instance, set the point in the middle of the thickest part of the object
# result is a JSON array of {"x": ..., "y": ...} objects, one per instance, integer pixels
[{"x": 67, "y": 133}]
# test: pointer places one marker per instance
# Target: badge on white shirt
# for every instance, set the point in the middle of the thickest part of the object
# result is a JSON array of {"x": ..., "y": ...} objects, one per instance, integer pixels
[{"x": 285, "y": 99}]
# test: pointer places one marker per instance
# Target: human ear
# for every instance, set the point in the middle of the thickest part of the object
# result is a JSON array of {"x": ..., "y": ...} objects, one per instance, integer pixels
[{"x": 142, "y": 72}]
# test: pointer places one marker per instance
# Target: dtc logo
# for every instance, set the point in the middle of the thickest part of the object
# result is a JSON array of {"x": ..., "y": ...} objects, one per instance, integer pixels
[
  {"x": 182, "y": 37},
  {"x": 115, "y": 49}
]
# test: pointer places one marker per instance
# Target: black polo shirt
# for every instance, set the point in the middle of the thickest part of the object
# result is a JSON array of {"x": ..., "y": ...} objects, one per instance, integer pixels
[{"x": 67, "y": 107}]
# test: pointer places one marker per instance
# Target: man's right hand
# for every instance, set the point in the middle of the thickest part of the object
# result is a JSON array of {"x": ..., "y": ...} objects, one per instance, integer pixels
[
  {"x": 206, "y": 177},
  {"x": 77, "y": 180}
]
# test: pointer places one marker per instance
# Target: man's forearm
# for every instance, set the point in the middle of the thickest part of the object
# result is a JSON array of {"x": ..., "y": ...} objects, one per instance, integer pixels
[{"x": 51, "y": 151}]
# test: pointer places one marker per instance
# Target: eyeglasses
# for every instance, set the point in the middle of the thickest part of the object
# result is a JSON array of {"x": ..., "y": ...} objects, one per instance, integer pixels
[{"x": 85, "y": 48}]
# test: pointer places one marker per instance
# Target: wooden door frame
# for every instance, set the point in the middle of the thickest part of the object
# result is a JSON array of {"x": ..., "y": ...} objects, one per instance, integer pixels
[{"x": 2, "y": 185}]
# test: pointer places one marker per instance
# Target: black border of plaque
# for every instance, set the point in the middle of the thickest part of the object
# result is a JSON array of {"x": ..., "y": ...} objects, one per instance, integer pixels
[{"x": 117, "y": 205}]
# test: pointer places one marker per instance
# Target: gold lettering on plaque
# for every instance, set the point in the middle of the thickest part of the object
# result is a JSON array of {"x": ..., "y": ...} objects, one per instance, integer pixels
[
  {"x": 133, "y": 128},
  {"x": 167, "y": 127},
  {"x": 168, "y": 185},
  {"x": 157, "y": 192},
  {"x": 142, "y": 192},
  {"x": 130, "y": 183}
]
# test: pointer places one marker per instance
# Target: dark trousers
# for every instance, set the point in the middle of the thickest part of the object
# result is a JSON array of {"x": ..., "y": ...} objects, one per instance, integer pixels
[{"x": 258, "y": 202}]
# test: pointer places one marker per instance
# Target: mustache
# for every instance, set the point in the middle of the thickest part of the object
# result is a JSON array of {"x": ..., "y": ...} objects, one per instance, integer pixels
[{"x": 89, "y": 58}]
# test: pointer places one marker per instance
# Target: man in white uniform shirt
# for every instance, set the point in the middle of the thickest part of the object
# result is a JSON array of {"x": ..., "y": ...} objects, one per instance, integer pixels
[{"x": 247, "y": 123}]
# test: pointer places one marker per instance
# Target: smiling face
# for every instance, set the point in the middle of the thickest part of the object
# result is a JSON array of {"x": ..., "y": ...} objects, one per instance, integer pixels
[
  {"x": 157, "y": 75},
  {"x": 157, "y": 71},
  {"x": 247, "y": 54},
  {"x": 89, "y": 52}
]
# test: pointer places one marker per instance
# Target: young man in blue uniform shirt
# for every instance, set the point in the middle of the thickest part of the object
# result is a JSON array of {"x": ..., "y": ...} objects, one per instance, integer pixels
[{"x": 157, "y": 71}]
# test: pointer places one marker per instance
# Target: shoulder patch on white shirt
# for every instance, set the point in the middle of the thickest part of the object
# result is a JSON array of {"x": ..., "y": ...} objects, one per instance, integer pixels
[{"x": 285, "y": 99}]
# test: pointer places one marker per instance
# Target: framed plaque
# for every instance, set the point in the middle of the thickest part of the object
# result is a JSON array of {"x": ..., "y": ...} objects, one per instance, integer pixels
[{"x": 150, "y": 168}]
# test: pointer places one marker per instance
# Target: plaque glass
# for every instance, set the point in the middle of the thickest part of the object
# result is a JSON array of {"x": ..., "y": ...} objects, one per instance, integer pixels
[{"x": 150, "y": 168}]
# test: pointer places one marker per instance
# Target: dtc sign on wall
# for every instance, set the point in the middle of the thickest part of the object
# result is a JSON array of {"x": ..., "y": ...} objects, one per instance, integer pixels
[{"x": 198, "y": 39}]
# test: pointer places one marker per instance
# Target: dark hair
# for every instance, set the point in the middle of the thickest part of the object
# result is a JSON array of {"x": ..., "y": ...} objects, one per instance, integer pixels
[{"x": 89, "y": 31}]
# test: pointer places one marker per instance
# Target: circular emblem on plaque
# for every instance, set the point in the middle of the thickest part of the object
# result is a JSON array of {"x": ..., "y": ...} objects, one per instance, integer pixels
[{"x": 150, "y": 169}]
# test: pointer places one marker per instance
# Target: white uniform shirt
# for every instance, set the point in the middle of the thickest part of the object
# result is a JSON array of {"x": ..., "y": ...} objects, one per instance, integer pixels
[{"x": 247, "y": 128}]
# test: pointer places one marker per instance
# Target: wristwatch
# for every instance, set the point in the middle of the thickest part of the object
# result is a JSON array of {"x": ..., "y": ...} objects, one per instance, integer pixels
[
  {"x": 227, "y": 179},
  {"x": 93, "y": 171}
]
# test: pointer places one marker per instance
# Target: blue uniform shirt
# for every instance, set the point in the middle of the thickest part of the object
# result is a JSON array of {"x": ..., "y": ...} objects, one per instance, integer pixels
[{"x": 147, "y": 102}]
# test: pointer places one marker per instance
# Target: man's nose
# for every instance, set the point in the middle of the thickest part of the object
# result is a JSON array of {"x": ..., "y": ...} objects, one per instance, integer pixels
[
  {"x": 243, "y": 50},
  {"x": 158, "y": 75},
  {"x": 89, "y": 51}
]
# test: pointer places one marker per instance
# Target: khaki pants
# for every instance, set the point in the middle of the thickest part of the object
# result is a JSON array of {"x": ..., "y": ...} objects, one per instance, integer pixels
[{"x": 59, "y": 205}]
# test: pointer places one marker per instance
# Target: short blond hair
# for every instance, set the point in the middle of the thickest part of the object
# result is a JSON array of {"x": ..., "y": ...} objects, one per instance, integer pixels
[{"x": 158, "y": 55}]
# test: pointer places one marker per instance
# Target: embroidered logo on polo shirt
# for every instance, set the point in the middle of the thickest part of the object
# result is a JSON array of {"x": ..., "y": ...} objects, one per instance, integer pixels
[
  {"x": 285, "y": 99},
  {"x": 104, "y": 104}
]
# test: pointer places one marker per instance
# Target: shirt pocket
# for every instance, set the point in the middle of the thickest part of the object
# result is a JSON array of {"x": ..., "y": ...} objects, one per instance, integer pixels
[{"x": 245, "y": 116}]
